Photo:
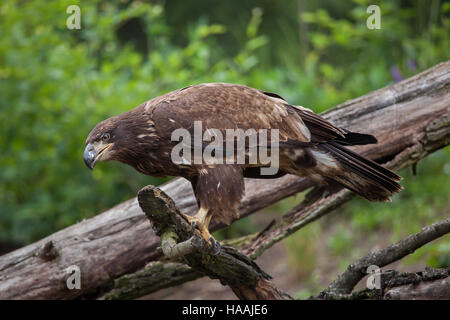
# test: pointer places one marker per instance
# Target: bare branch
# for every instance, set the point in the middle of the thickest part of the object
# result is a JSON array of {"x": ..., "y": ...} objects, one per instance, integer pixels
[
  {"x": 425, "y": 285},
  {"x": 345, "y": 283}
]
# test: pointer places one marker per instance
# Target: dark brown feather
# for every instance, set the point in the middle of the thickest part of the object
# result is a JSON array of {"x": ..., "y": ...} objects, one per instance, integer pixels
[
  {"x": 321, "y": 129},
  {"x": 361, "y": 175},
  {"x": 220, "y": 189}
]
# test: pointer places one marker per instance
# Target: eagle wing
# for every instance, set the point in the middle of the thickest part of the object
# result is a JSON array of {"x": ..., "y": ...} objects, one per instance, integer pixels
[{"x": 226, "y": 106}]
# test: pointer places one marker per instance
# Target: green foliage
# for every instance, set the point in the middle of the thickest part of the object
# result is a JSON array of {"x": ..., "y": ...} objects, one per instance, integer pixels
[
  {"x": 56, "y": 84},
  {"x": 302, "y": 250}
]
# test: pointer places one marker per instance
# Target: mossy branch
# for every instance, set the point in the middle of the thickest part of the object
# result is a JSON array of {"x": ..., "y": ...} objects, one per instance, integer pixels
[{"x": 178, "y": 240}]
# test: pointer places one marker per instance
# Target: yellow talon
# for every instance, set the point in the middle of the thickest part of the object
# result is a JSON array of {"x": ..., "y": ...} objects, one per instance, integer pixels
[{"x": 201, "y": 221}]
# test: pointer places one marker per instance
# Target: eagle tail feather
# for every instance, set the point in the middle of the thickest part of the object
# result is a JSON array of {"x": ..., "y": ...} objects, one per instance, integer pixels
[
  {"x": 355, "y": 138},
  {"x": 361, "y": 175}
]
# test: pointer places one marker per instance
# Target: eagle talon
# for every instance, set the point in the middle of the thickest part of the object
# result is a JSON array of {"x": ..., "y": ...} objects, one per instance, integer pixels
[
  {"x": 219, "y": 248},
  {"x": 215, "y": 245},
  {"x": 213, "y": 242}
]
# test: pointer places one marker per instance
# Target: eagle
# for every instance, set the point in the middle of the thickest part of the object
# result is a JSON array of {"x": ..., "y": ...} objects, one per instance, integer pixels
[{"x": 308, "y": 146}]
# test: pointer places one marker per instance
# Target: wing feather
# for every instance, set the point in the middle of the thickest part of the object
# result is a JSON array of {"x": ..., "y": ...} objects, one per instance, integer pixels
[{"x": 226, "y": 106}]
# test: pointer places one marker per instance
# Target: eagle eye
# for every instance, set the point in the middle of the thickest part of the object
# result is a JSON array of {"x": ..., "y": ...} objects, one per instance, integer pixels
[{"x": 105, "y": 136}]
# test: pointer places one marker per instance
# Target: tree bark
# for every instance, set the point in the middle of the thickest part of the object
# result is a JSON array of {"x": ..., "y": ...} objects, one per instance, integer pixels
[
  {"x": 120, "y": 240},
  {"x": 155, "y": 276},
  {"x": 431, "y": 284}
]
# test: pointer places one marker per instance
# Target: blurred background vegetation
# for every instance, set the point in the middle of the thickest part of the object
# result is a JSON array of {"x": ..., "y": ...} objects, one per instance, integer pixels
[{"x": 56, "y": 84}]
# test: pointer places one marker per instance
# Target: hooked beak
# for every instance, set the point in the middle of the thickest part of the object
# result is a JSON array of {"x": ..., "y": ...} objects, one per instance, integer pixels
[{"x": 91, "y": 155}]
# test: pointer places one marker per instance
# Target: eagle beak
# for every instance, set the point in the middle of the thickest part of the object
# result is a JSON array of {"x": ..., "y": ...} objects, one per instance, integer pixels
[{"x": 91, "y": 156}]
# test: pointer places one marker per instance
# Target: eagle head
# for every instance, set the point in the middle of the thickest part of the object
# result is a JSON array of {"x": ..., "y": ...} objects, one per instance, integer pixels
[
  {"x": 101, "y": 143},
  {"x": 115, "y": 139}
]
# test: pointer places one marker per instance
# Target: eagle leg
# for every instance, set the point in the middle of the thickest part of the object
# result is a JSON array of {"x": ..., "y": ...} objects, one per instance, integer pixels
[{"x": 201, "y": 222}]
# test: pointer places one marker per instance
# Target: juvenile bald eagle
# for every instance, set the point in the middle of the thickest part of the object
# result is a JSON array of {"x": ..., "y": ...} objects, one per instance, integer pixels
[{"x": 309, "y": 146}]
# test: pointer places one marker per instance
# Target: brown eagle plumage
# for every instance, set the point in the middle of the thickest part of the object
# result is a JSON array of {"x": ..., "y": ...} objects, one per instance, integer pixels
[{"x": 309, "y": 146}]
